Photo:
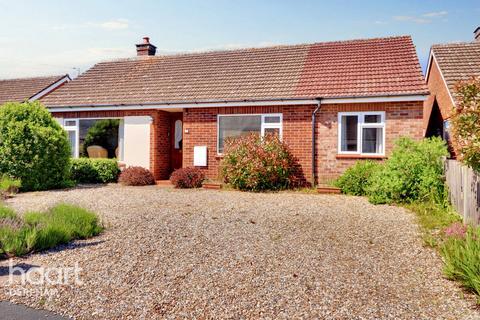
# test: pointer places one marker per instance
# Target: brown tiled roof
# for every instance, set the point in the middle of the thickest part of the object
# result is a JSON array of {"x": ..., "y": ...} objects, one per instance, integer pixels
[
  {"x": 373, "y": 67},
  {"x": 457, "y": 61},
  {"x": 19, "y": 90}
]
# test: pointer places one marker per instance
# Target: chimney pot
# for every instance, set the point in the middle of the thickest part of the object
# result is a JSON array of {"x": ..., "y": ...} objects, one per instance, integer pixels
[
  {"x": 146, "y": 48},
  {"x": 477, "y": 34}
]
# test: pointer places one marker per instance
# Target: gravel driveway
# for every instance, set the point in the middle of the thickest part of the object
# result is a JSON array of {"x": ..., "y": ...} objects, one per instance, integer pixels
[{"x": 222, "y": 254}]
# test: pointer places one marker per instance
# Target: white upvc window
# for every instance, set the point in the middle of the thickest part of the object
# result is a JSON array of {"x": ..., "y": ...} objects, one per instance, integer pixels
[
  {"x": 235, "y": 125},
  {"x": 361, "y": 133},
  {"x": 77, "y": 128},
  {"x": 71, "y": 126}
]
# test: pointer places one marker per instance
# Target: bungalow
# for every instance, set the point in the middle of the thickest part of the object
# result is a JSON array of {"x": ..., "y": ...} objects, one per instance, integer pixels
[
  {"x": 333, "y": 103},
  {"x": 448, "y": 64},
  {"x": 19, "y": 90}
]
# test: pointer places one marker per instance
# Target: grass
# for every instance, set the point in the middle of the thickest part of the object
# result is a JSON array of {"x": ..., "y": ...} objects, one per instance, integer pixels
[
  {"x": 7, "y": 213},
  {"x": 44, "y": 230},
  {"x": 433, "y": 218},
  {"x": 460, "y": 252},
  {"x": 462, "y": 259}
]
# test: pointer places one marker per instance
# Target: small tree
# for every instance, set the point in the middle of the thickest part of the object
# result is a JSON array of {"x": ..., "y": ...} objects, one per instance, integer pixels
[
  {"x": 33, "y": 146},
  {"x": 466, "y": 122}
]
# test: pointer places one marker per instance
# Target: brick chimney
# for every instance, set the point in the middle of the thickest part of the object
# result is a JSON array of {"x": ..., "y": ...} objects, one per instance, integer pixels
[
  {"x": 146, "y": 48},
  {"x": 477, "y": 34}
]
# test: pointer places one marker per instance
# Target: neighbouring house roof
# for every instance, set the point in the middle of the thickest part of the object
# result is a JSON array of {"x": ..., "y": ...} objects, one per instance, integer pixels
[
  {"x": 457, "y": 61},
  {"x": 19, "y": 90},
  {"x": 356, "y": 68}
]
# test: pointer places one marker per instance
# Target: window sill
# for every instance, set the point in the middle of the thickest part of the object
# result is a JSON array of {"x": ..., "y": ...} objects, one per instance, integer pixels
[
  {"x": 360, "y": 156},
  {"x": 219, "y": 156}
]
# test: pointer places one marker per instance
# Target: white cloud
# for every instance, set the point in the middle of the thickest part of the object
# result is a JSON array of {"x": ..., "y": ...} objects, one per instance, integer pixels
[
  {"x": 110, "y": 25},
  {"x": 118, "y": 24},
  {"x": 422, "y": 19},
  {"x": 412, "y": 19},
  {"x": 435, "y": 14}
]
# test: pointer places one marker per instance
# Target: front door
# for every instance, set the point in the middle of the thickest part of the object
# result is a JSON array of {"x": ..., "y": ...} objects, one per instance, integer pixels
[{"x": 176, "y": 140}]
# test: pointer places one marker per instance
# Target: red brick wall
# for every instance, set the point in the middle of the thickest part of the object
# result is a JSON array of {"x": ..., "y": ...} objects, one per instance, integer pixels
[
  {"x": 159, "y": 134},
  {"x": 402, "y": 119},
  {"x": 202, "y": 131},
  {"x": 439, "y": 92}
]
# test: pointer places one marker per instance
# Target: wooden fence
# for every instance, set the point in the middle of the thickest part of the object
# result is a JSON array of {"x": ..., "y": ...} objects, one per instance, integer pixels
[{"x": 464, "y": 190}]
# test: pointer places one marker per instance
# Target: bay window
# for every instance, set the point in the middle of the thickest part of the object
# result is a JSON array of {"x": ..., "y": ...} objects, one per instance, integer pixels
[
  {"x": 231, "y": 126},
  {"x": 361, "y": 133}
]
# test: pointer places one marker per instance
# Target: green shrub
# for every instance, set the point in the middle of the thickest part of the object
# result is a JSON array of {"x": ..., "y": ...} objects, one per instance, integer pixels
[
  {"x": 103, "y": 133},
  {"x": 44, "y": 230},
  {"x": 86, "y": 170},
  {"x": 9, "y": 186},
  {"x": 33, "y": 146},
  {"x": 6, "y": 212},
  {"x": 462, "y": 259},
  {"x": 16, "y": 241},
  {"x": 81, "y": 222},
  {"x": 257, "y": 163},
  {"x": 356, "y": 179},
  {"x": 414, "y": 172}
]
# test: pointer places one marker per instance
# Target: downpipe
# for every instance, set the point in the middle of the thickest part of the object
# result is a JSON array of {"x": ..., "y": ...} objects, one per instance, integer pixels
[{"x": 314, "y": 120}]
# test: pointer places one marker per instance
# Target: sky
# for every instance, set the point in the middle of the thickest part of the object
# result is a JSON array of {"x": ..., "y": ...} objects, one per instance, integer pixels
[{"x": 51, "y": 37}]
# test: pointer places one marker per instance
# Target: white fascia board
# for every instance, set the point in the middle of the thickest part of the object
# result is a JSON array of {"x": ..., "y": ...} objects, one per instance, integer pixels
[
  {"x": 429, "y": 65},
  {"x": 443, "y": 79},
  {"x": 403, "y": 98},
  {"x": 50, "y": 88}
]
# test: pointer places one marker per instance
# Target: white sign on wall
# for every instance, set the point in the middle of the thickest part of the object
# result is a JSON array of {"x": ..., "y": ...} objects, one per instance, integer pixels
[{"x": 200, "y": 156}]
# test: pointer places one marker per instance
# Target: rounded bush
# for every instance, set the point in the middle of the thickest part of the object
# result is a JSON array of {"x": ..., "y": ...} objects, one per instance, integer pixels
[
  {"x": 136, "y": 176},
  {"x": 355, "y": 180},
  {"x": 33, "y": 146},
  {"x": 86, "y": 170},
  {"x": 187, "y": 178},
  {"x": 258, "y": 163}
]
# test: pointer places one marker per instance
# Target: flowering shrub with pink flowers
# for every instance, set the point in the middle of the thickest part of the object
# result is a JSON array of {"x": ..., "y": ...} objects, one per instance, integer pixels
[
  {"x": 257, "y": 163},
  {"x": 456, "y": 230}
]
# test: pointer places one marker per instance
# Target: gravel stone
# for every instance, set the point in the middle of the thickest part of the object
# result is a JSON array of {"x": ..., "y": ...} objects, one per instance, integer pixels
[{"x": 170, "y": 253}]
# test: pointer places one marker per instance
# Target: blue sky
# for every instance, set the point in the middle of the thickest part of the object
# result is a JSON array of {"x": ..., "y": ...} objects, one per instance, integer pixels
[{"x": 52, "y": 37}]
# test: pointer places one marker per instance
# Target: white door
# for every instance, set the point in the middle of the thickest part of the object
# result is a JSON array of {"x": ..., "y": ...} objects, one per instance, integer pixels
[{"x": 136, "y": 141}]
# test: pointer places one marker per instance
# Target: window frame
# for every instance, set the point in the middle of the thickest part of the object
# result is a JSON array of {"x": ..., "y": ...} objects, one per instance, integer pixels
[
  {"x": 360, "y": 126},
  {"x": 76, "y": 129},
  {"x": 263, "y": 125}
]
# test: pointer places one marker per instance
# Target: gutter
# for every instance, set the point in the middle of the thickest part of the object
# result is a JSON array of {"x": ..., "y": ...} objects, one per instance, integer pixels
[{"x": 314, "y": 118}]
